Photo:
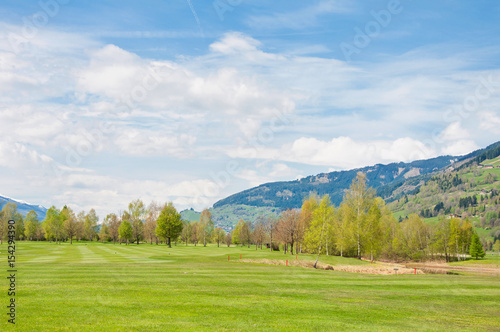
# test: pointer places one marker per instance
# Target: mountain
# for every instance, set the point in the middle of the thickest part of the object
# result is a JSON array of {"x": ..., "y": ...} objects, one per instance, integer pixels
[
  {"x": 391, "y": 181},
  {"x": 290, "y": 194},
  {"x": 469, "y": 191},
  {"x": 24, "y": 207}
]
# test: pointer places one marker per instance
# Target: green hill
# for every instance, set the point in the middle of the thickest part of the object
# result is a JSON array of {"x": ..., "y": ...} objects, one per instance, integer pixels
[
  {"x": 471, "y": 192},
  {"x": 290, "y": 194},
  {"x": 391, "y": 181}
]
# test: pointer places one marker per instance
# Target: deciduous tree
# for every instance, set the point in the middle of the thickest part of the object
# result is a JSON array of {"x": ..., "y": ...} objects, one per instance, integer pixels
[
  {"x": 137, "y": 211},
  {"x": 206, "y": 225},
  {"x": 289, "y": 228},
  {"x": 228, "y": 239},
  {"x": 236, "y": 232},
  {"x": 152, "y": 214},
  {"x": 69, "y": 222},
  {"x": 218, "y": 235},
  {"x": 113, "y": 223},
  {"x": 53, "y": 224},
  {"x": 169, "y": 224},
  {"x": 125, "y": 231},
  {"x": 31, "y": 225},
  {"x": 90, "y": 225},
  {"x": 359, "y": 200}
]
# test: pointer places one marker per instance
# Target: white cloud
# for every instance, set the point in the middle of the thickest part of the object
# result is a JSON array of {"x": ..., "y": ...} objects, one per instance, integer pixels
[
  {"x": 64, "y": 86},
  {"x": 133, "y": 142},
  {"x": 342, "y": 152},
  {"x": 252, "y": 177},
  {"x": 459, "y": 148},
  {"x": 281, "y": 170},
  {"x": 454, "y": 132},
  {"x": 490, "y": 122},
  {"x": 112, "y": 72}
]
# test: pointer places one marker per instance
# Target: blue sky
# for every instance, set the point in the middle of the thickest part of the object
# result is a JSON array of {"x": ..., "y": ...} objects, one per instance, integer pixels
[{"x": 103, "y": 102}]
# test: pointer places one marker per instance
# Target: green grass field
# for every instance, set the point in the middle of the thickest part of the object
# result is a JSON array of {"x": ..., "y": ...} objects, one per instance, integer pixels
[
  {"x": 493, "y": 162},
  {"x": 106, "y": 287}
]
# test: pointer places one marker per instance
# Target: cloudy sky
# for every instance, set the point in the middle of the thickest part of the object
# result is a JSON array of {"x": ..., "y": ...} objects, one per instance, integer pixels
[{"x": 103, "y": 102}]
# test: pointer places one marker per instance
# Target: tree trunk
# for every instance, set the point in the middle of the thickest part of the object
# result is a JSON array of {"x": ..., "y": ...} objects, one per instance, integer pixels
[
  {"x": 359, "y": 248},
  {"x": 271, "y": 241},
  {"x": 71, "y": 240},
  {"x": 169, "y": 244}
]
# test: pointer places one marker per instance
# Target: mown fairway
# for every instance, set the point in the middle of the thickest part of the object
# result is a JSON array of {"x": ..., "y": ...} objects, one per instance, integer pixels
[{"x": 106, "y": 287}]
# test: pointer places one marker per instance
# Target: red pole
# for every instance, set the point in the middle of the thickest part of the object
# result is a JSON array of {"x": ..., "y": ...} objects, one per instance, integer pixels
[
  {"x": 415, "y": 270},
  {"x": 287, "y": 262},
  {"x": 296, "y": 257},
  {"x": 228, "y": 258},
  {"x": 240, "y": 256}
]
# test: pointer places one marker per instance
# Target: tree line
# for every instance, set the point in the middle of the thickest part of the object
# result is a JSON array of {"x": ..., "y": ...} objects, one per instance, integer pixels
[
  {"x": 156, "y": 222},
  {"x": 361, "y": 226}
]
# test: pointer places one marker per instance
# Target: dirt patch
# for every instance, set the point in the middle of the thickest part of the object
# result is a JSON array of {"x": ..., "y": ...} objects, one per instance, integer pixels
[
  {"x": 442, "y": 268},
  {"x": 381, "y": 269}
]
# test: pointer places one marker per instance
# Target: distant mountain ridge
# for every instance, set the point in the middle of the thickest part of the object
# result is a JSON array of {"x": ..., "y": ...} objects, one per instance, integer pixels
[
  {"x": 24, "y": 207},
  {"x": 391, "y": 182}
]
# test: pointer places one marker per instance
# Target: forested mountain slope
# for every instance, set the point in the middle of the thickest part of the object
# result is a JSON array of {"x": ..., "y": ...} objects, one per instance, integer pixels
[
  {"x": 391, "y": 181},
  {"x": 471, "y": 192}
]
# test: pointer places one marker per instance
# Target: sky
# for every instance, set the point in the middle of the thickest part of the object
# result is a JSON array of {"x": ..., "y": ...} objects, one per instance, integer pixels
[{"x": 189, "y": 101}]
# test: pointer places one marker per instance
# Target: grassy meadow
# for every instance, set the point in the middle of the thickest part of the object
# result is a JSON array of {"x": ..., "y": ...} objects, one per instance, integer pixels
[{"x": 106, "y": 287}]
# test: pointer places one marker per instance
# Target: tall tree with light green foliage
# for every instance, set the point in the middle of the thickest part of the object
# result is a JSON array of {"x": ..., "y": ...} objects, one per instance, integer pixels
[
  {"x": 125, "y": 231},
  {"x": 373, "y": 229},
  {"x": 53, "y": 224},
  {"x": 169, "y": 224},
  {"x": 359, "y": 199},
  {"x": 31, "y": 225},
  {"x": 9, "y": 212},
  {"x": 137, "y": 212},
  {"x": 113, "y": 223},
  {"x": 207, "y": 225},
  {"x": 219, "y": 234},
  {"x": 496, "y": 246},
  {"x": 69, "y": 222},
  {"x": 235, "y": 236},
  {"x": 104, "y": 232},
  {"x": 322, "y": 219},
  {"x": 90, "y": 225}
]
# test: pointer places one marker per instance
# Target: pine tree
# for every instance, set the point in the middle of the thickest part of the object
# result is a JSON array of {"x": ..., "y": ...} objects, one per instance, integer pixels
[{"x": 476, "y": 248}]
